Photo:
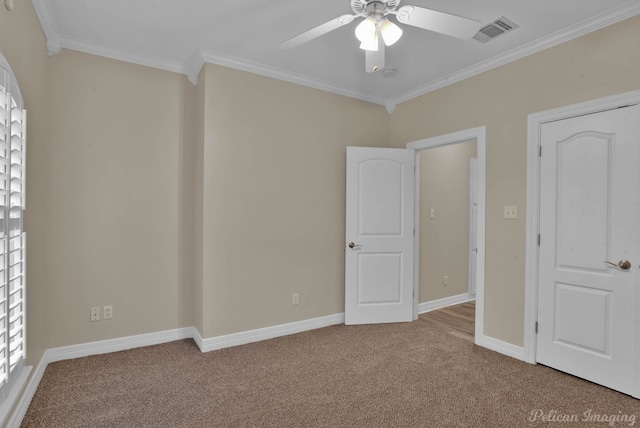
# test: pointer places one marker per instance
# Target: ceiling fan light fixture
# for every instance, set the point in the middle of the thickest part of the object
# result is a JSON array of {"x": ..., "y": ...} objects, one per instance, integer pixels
[
  {"x": 371, "y": 44},
  {"x": 391, "y": 33},
  {"x": 366, "y": 30}
]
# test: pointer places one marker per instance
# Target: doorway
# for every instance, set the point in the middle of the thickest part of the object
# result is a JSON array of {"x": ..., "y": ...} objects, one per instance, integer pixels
[
  {"x": 444, "y": 224},
  {"x": 442, "y": 268}
]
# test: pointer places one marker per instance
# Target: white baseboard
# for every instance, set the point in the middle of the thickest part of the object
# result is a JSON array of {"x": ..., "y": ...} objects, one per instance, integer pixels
[
  {"x": 23, "y": 403},
  {"x": 443, "y": 303},
  {"x": 501, "y": 347},
  {"x": 115, "y": 345},
  {"x": 13, "y": 397},
  {"x": 226, "y": 341}
]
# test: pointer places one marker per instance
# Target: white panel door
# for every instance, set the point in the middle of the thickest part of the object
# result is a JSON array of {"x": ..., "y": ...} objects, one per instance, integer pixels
[
  {"x": 379, "y": 235},
  {"x": 588, "y": 217}
]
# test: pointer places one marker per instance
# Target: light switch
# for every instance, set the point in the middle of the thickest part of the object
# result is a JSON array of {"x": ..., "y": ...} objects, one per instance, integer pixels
[
  {"x": 432, "y": 213},
  {"x": 510, "y": 211}
]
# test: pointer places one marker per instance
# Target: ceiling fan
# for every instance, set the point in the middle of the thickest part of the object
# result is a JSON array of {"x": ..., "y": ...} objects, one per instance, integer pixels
[{"x": 376, "y": 31}]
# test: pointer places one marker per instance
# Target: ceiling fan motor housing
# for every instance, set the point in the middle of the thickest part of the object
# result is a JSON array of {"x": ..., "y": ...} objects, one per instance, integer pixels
[{"x": 376, "y": 8}]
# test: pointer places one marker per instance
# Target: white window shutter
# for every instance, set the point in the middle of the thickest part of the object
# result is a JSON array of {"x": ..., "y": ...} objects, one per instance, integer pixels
[
  {"x": 12, "y": 236},
  {"x": 4, "y": 138},
  {"x": 16, "y": 250}
]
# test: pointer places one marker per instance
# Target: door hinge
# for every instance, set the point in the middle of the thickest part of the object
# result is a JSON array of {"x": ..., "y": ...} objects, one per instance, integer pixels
[
  {"x": 540, "y": 152},
  {"x": 536, "y": 327},
  {"x": 538, "y": 239}
]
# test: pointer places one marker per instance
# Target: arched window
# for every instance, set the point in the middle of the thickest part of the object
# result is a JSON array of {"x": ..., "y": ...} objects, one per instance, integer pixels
[{"x": 12, "y": 238}]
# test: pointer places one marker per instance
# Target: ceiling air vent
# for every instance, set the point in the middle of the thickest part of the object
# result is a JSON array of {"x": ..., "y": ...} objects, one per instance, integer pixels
[{"x": 494, "y": 29}]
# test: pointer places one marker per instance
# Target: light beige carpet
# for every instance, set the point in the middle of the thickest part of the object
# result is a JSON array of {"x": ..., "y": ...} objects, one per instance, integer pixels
[{"x": 392, "y": 375}]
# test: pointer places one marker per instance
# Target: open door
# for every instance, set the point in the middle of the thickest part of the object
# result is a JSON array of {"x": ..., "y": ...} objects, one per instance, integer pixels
[{"x": 379, "y": 235}]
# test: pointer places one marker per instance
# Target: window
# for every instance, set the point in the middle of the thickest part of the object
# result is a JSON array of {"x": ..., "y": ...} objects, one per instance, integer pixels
[{"x": 12, "y": 237}]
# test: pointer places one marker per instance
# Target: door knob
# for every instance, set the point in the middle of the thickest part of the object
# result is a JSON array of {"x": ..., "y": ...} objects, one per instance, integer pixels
[
  {"x": 352, "y": 245},
  {"x": 622, "y": 264}
]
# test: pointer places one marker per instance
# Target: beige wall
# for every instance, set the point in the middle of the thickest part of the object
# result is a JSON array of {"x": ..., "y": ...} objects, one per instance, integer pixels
[
  {"x": 444, "y": 239},
  {"x": 187, "y": 292},
  {"x": 198, "y": 203},
  {"x": 274, "y": 191},
  {"x": 602, "y": 63},
  {"x": 114, "y": 185}
]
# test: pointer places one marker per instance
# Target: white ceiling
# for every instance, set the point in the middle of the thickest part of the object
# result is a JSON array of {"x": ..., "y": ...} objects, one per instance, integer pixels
[{"x": 180, "y": 35}]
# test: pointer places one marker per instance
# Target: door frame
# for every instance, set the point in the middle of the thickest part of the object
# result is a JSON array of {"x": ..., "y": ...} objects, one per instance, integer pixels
[
  {"x": 473, "y": 223},
  {"x": 479, "y": 134},
  {"x": 535, "y": 122}
]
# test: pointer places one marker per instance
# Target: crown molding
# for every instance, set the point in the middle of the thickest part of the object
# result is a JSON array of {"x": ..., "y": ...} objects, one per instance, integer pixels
[
  {"x": 90, "y": 48},
  {"x": 626, "y": 11},
  {"x": 193, "y": 65},
  {"x": 48, "y": 24},
  {"x": 287, "y": 76}
]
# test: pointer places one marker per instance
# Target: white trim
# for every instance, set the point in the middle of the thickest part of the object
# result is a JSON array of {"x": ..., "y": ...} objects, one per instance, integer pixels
[
  {"x": 287, "y": 76},
  {"x": 5, "y": 64},
  {"x": 473, "y": 224},
  {"x": 444, "y": 302},
  {"x": 535, "y": 121},
  {"x": 118, "y": 344},
  {"x": 616, "y": 15},
  {"x": 90, "y": 48},
  {"x": 193, "y": 65},
  {"x": 14, "y": 397},
  {"x": 505, "y": 348},
  {"x": 479, "y": 134},
  {"x": 234, "y": 339},
  {"x": 197, "y": 337},
  {"x": 48, "y": 23},
  {"x": 22, "y": 405},
  {"x": 416, "y": 233}
]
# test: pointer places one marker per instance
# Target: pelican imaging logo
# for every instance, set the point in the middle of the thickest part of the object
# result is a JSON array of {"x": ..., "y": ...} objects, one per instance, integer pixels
[{"x": 588, "y": 416}]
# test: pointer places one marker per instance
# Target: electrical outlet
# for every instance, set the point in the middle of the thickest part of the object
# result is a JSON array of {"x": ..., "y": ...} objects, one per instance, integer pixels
[
  {"x": 107, "y": 312},
  {"x": 95, "y": 314},
  {"x": 295, "y": 299},
  {"x": 432, "y": 213},
  {"x": 445, "y": 280}
]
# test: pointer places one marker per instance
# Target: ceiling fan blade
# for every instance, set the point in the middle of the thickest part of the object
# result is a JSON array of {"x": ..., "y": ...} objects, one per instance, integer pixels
[
  {"x": 374, "y": 60},
  {"x": 317, "y": 31},
  {"x": 440, "y": 22}
]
